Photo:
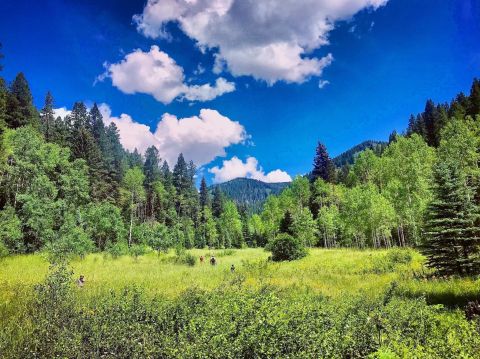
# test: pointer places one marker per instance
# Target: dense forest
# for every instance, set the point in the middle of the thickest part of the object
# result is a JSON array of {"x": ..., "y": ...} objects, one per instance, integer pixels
[{"x": 69, "y": 187}]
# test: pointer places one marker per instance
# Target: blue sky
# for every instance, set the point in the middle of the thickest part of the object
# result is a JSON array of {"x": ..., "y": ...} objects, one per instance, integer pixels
[{"x": 389, "y": 57}]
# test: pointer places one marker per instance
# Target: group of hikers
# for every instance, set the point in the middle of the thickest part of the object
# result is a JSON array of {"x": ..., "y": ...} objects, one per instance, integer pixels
[{"x": 213, "y": 262}]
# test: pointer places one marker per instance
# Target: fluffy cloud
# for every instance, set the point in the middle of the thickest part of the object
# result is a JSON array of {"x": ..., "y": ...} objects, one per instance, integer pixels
[
  {"x": 235, "y": 168},
  {"x": 62, "y": 112},
  {"x": 157, "y": 74},
  {"x": 269, "y": 40},
  {"x": 200, "y": 138}
]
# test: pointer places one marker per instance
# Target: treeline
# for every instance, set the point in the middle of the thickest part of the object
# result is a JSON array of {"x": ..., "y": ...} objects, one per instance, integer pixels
[
  {"x": 68, "y": 185},
  {"x": 422, "y": 190}
]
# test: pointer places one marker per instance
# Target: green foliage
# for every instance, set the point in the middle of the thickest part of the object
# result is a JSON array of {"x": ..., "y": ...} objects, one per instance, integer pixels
[
  {"x": 231, "y": 226},
  {"x": 117, "y": 249},
  {"x": 72, "y": 241},
  {"x": 137, "y": 250},
  {"x": 453, "y": 237},
  {"x": 104, "y": 224},
  {"x": 11, "y": 231},
  {"x": 263, "y": 322},
  {"x": 286, "y": 248}
]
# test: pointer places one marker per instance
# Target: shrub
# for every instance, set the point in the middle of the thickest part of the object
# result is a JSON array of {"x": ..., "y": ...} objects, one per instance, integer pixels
[
  {"x": 183, "y": 257},
  {"x": 117, "y": 249},
  {"x": 286, "y": 248},
  {"x": 137, "y": 250},
  {"x": 73, "y": 241},
  {"x": 3, "y": 250},
  {"x": 400, "y": 255}
]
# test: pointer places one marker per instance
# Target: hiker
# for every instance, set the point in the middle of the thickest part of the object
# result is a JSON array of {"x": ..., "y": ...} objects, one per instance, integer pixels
[
  {"x": 232, "y": 268},
  {"x": 81, "y": 281},
  {"x": 213, "y": 261},
  {"x": 202, "y": 258}
]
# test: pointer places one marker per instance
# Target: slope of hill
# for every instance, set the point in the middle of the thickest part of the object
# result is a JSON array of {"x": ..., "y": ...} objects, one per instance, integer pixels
[
  {"x": 348, "y": 157},
  {"x": 250, "y": 192}
]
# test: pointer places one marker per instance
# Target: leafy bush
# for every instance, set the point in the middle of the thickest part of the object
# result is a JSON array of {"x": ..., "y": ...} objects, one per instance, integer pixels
[
  {"x": 11, "y": 231},
  {"x": 262, "y": 323},
  {"x": 3, "y": 250},
  {"x": 400, "y": 255},
  {"x": 286, "y": 248},
  {"x": 73, "y": 242},
  {"x": 137, "y": 250},
  {"x": 183, "y": 257},
  {"x": 117, "y": 249}
]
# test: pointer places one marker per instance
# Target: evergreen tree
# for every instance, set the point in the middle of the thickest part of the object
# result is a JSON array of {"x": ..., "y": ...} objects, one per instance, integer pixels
[
  {"x": 217, "y": 202},
  {"x": 181, "y": 176},
  {"x": 78, "y": 118},
  {"x": 453, "y": 232},
  {"x": 101, "y": 183},
  {"x": 95, "y": 124},
  {"x": 20, "y": 108},
  {"x": 151, "y": 170},
  {"x": 47, "y": 118},
  {"x": 134, "y": 159},
  {"x": 322, "y": 165},
  {"x": 113, "y": 154},
  {"x": 474, "y": 100},
  {"x": 3, "y": 102},
  {"x": 204, "y": 196},
  {"x": 167, "y": 177},
  {"x": 286, "y": 224}
]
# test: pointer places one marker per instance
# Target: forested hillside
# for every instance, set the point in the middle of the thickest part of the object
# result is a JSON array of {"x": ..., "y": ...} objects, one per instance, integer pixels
[
  {"x": 249, "y": 193},
  {"x": 348, "y": 157}
]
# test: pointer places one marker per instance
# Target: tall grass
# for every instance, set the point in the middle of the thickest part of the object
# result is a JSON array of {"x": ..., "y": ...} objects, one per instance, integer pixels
[{"x": 331, "y": 273}]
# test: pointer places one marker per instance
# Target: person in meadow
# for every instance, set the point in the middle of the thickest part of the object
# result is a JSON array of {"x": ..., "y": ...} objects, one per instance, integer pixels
[
  {"x": 81, "y": 281},
  {"x": 232, "y": 268},
  {"x": 202, "y": 258},
  {"x": 213, "y": 261}
]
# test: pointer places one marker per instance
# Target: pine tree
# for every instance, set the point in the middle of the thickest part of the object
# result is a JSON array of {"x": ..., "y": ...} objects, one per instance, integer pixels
[
  {"x": 151, "y": 170},
  {"x": 181, "y": 175},
  {"x": 322, "y": 165},
  {"x": 453, "y": 235},
  {"x": 47, "y": 118},
  {"x": 20, "y": 109},
  {"x": 95, "y": 124},
  {"x": 453, "y": 232},
  {"x": 204, "y": 196},
  {"x": 113, "y": 153},
  {"x": 78, "y": 118},
  {"x": 135, "y": 159},
  {"x": 474, "y": 100},
  {"x": 217, "y": 202},
  {"x": 167, "y": 177},
  {"x": 286, "y": 224}
]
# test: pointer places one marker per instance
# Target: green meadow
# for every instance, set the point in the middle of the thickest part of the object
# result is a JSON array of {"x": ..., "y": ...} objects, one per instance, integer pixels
[
  {"x": 331, "y": 273},
  {"x": 334, "y": 303}
]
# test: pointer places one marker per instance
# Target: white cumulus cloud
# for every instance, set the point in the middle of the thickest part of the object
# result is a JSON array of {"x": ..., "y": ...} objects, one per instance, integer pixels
[
  {"x": 61, "y": 112},
  {"x": 157, "y": 74},
  {"x": 267, "y": 39},
  {"x": 200, "y": 138},
  {"x": 235, "y": 168}
]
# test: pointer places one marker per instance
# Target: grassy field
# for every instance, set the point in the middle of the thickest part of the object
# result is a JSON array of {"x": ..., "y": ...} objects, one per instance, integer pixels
[
  {"x": 331, "y": 273},
  {"x": 333, "y": 303}
]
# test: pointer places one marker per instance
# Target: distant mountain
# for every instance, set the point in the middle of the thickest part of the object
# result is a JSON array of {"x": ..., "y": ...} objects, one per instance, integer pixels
[
  {"x": 348, "y": 157},
  {"x": 250, "y": 192}
]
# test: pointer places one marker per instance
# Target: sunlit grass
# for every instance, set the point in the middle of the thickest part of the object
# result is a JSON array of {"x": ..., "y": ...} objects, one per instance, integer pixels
[{"x": 331, "y": 273}]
